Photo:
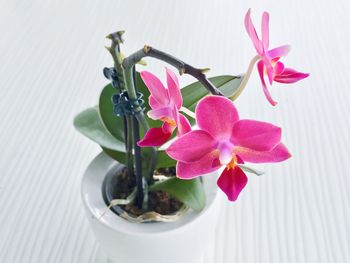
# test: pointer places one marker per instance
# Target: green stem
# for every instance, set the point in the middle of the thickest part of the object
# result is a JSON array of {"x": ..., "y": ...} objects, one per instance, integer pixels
[
  {"x": 245, "y": 78},
  {"x": 129, "y": 156},
  {"x": 129, "y": 85},
  {"x": 188, "y": 112},
  {"x": 153, "y": 158},
  {"x": 130, "y": 82},
  {"x": 138, "y": 164},
  {"x": 132, "y": 131},
  {"x": 140, "y": 116}
]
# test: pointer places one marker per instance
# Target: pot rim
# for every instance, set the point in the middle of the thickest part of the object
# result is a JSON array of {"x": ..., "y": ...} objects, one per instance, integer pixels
[{"x": 114, "y": 222}]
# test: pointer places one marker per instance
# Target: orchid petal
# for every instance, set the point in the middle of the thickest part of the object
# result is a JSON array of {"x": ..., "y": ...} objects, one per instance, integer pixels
[
  {"x": 256, "y": 135},
  {"x": 232, "y": 182},
  {"x": 174, "y": 88},
  {"x": 265, "y": 30},
  {"x": 183, "y": 125},
  {"x": 252, "y": 33},
  {"x": 192, "y": 146},
  {"x": 289, "y": 75},
  {"x": 156, "y": 88},
  {"x": 168, "y": 128},
  {"x": 154, "y": 137},
  {"x": 216, "y": 115},
  {"x": 260, "y": 66},
  {"x": 269, "y": 69},
  {"x": 207, "y": 164},
  {"x": 278, "y": 51},
  {"x": 157, "y": 114},
  {"x": 154, "y": 103},
  {"x": 277, "y": 154},
  {"x": 278, "y": 69}
]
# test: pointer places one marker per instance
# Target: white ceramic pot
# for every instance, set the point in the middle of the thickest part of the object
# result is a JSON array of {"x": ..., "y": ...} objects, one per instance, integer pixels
[{"x": 185, "y": 240}]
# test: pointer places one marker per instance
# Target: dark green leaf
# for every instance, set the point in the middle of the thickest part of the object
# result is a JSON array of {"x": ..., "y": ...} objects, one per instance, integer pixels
[
  {"x": 190, "y": 192},
  {"x": 118, "y": 156},
  {"x": 163, "y": 160},
  {"x": 194, "y": 92},
  {"x": 113, "y": 123},
  {"x": 89, "y": 124}
]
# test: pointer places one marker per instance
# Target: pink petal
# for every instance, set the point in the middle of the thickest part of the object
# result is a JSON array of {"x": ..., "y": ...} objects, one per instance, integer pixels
[
  {"x": 156, "y": 88},
  {"x": 207, "y": 164},
  {"x": 167, "y": 128},
  {"x": 277, "y": 154},
  {"x": 154, "y": 137},
  {"x": 265, "y": 30},
  {"x": 216, "y": 115},
  {"x": 252, "y": 33},
  {"x": 260, "y": 66},
  {"x": 174, "y": 88},
  {"x": 232, "y": 182},
  {"x": 160, "y": 113},
  {"x": 256, "y": 135},
  {"x": 183, "y": 125},
  {"x": 278, "y": 69},
  {"x": 153, "y": 103},
  {"x": 289, "y": 75},
  {"x": 278, "y": 51},
  {"x": 192, "y": 146},
  {"x": 269, "y": 69}
]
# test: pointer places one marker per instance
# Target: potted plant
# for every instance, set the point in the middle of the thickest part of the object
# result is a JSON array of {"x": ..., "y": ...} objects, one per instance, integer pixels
[{"x": 152, "y": 194}]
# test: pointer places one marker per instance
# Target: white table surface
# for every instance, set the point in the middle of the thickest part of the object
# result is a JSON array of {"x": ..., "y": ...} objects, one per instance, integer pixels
[{"x": 51, "y": 57}]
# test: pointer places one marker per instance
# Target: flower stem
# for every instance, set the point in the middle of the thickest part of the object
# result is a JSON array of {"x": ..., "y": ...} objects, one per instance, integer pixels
[
  {"x": 128, "y": 156},
  {"x": 182, "y": 67},
  {"x": 188, "y": 112},
  {"x": 138, "y": 163},
  {"x": 245, "y": 78},
  {"x": 132, "y": 132}
]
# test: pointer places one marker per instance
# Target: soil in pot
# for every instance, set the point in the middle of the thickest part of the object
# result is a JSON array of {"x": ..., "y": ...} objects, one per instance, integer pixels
[{"x": 121, "y": 184}]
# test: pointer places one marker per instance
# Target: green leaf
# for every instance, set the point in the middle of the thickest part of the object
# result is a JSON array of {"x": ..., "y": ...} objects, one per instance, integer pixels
[
  {"x": 163, "y": 160},
  {"x": 194, "y": 92},
  {"x": 118, "y": 156},
  {"x": 113, "y": 123},
  {"x": 89, "y": 124},
  {"x": 190, "y": 192}
]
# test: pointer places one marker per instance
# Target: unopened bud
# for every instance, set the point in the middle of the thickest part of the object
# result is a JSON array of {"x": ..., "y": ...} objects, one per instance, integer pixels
[
  {"x": 146, "y": 49},
  {"x": 142, "y": 62},
  {"x": 204, "y": 70}
]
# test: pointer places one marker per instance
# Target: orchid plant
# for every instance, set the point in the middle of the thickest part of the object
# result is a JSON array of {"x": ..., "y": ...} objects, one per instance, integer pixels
[{"x": 196, "y": 128}]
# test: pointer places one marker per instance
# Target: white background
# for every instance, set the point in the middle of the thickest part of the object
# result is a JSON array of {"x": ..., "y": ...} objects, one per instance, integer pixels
[{"x": 51, "y": 58}]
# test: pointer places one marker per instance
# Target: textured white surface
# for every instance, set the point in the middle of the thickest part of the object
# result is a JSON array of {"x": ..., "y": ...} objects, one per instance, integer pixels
[{"x": 52, "y": 54}]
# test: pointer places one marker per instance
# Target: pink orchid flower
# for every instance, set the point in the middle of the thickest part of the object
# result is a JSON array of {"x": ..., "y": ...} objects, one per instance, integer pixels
[
  {"x": 223, "y": 140},
  {"x": 165, "y": 104},
  {"x": 268, "y": 63}
]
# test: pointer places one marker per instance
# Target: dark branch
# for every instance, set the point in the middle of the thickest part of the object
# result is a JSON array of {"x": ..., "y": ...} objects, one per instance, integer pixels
[{"x": 181, "y": 66}]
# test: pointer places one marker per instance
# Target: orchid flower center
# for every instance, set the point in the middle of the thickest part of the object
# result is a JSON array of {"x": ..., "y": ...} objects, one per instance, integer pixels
[
  {"x": 232, "y": 164},
  {"x": 227, "y": 157},
  {"x": 168, "y": 120},
  {"x": 273, "y": 64}
]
